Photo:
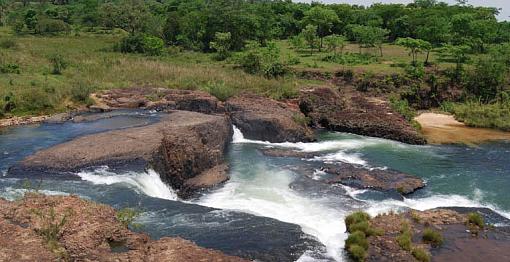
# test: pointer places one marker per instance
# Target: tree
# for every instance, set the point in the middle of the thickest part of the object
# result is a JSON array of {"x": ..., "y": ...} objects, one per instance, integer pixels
[
  {"x": 31, "y": 19},
  {"x": 130, "y": 15},
  {"x": 222, "y": 43},
  {"x": 297, "y": 41},
  {"x": 369, "y": 36},
  {"x": 323, "y": 19},
  {"x": 335, "y": 42},
  {"x": 435, "y": 29},
  {"x": 487, "y": 79},
  {"x": 457, "y": 55},
  {"x": 415, "y": 46},
  {"x": 310, "y": 36}
]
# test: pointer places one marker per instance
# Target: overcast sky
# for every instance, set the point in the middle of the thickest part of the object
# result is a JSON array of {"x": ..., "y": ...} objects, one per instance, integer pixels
[{"x": 503, "y": 4}]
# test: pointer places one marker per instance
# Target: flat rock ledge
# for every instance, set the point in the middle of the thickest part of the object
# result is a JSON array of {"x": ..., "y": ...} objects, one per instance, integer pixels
[
  {"x": 266, "y": 119},
  {"x": 183, "y": 148},
  {"x": 462, "y": 240},
  {"x": 354, "y": 113},
  {"x": 87, "y": 231},
  {"x": 377, "y": 179}
]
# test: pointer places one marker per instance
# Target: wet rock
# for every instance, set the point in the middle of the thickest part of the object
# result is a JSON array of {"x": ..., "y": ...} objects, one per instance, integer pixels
[
  {"x": 352, "y": 112},
  {"x": 378, "y": 179},
  {"x": 266, "y": 119},
  {"x": 181, "y": 146},
  {"x": 85, "y": 233},
  {"x": 159, "y": 99},
  {"x": 278, "y": 152}
]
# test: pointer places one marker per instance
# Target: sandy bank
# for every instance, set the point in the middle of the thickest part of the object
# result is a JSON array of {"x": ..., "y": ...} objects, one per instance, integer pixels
[{"x": 444, "y": 129}]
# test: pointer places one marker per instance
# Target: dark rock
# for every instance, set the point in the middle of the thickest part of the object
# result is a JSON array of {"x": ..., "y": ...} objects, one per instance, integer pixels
[
  {"x": 181, "y": 146},
  {"x": 278, "y": 152},
  {"x": 360, "y": 177},
  {"x": 266, "y": 119},
  {"x": 354, "y": 113}
]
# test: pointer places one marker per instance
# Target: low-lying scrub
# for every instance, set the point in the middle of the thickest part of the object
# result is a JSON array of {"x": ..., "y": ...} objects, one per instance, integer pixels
[
  {"x": 476, "y": 114},
  {"x": 404, "y": 240},
  {"x": 432, "y": 237},
  {"x": 358, "y": 224},
  {"x": 476, "y": 220}
]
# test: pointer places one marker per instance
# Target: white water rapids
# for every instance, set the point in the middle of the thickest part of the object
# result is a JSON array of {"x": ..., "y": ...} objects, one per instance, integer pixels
[{"x": 259, "y": 189}]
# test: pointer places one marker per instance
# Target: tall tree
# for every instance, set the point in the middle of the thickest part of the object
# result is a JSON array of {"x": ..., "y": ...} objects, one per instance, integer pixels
[
  {"x": 310, "y": 36},
  {"x": 323, "y": 18}
]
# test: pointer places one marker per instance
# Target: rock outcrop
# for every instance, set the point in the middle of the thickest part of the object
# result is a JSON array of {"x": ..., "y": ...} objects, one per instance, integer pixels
[
  {"x": 54, "y": 228},
  {"x": 377, "y": 179},
  {"x": 457, "y": 238},
  {"x": 354, "y": 113},
  {"x": 265, "y": 119},
  {"x": 183, "y": 145},
  {"x": 159, "y": 99}
]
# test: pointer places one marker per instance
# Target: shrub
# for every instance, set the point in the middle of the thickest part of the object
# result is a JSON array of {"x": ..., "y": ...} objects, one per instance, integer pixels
[
  {"x": 80, "y": 92},
  {"x": 222, "y": 43},
  {"x": 58, "y": 63},
  {"x": 402, "y": 107},
  {"x": 474, "y": 113},
  {"x": 143, "y": 44},
  {"x": 220, "y": 90},
  {"x": 153, "y": 45},
  {"x": 51, "y": 227},
  {"x": 476, "y": 219},
  {"x": 432, "y": 237},
  {"x": 10, "y": 68},
  {"x": 127, "y": 216},
  {"x": 404, "y": 240},
  {"x": 420, "y": 254},
  {"x": 8, "y": 43},
  {"x": 262, "y": 60},
  {"x": 357, "y": 238},
  {"x": 357, "y": 253},
  {"x": 301, "y": 119},
  {"x": 51, "y": 26},
  {"x": 355, "y": 218}
]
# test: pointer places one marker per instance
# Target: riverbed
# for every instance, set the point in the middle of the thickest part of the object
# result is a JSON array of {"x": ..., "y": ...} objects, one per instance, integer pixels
[{"x": 272, "y": 209}]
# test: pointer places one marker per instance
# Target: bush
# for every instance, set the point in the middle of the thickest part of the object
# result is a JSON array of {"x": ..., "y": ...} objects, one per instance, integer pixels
[
  {"x": 354, "y": 218},
  {"x": 220, "y": 90},
  {"x": 357, "y": 238},
  {"x": 351, "y": 59},
  {"x": 476, "y": 114},
  {"x": 404, "y": 240},
  {"x": 420, "y": 254},
  {"x": 80, "y": 92},
  {"x": 10, "y": 68},
  {"x": 51, "y": 26},
  {"x": 262, "y": 60},
  {"x": 476, "y": 219},
  {"x": 34, "y": 100},
  {"x": 357, "y": 253},
  {"x": 143, "y": 44},
  {"x": 127, "y": 216},
  {"x": 402, "y": 107},
  {"x": 58, "y": 63},
  {"x": 432, "y": 237},
  {"x": 8, "y": 43}
]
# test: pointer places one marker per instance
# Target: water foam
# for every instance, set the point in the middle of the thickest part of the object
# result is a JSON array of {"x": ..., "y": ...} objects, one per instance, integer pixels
[
  {"x": 148, "y": 182},
  {"x": 261, "y": 196}
]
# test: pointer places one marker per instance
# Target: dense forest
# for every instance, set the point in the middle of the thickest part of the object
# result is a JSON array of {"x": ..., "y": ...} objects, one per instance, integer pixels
[{"x": 470, "y": 46}]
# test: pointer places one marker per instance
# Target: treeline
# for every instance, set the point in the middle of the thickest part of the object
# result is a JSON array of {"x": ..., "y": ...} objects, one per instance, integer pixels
[{"x": 193, "y": 24}]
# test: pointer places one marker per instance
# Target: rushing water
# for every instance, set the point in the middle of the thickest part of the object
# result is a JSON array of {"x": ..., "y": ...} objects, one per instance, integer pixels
[{"x": 274, "y": 209}]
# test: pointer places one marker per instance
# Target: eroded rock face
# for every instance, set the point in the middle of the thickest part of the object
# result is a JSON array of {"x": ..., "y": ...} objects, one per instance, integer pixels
[
  {"x": 181, "y": 146},
  {"x": 360, "y": 177},
  {"x": 160, "y": 99},
  {"x": 87, "y": 234},
  {"x": 266, "y": 119},
  {"x": 354, "y": 113}
]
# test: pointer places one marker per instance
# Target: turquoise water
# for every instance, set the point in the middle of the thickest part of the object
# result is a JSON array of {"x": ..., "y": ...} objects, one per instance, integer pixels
[{"x": 274, "y": 209}]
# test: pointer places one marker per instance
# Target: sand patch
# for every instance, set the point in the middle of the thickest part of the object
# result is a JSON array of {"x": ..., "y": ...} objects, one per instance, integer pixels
[{"x": 444, "y": 129}]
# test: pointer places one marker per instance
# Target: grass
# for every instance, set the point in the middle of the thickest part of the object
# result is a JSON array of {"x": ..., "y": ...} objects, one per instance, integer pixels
[
  {"x": 404, "y": 240},
  {"x": 472, "y": 113},
  {"x": 51, "y": 229},
  {"x": 432, "y": 237},
  {"x": 358, "y": 224},
  {"x": 91, "y": 66},
  {"x": 127, "y": 216},
  {"x": 476, "y": 219},
  {"x": 420, "y": 254}
]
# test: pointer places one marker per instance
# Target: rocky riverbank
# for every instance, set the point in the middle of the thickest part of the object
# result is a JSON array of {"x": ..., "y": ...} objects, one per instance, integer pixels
[
  {"x": 61, "y": 228},
  {"x": 444, "y": 234},
  {"x": 185, "y": 148}
]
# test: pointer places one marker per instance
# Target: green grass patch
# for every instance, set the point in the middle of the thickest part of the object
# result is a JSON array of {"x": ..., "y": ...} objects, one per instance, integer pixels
[
  {"x": 476, "y": 219},
  {"x": 420, "y": 254},
  {"x": 432, "y": 237},
  {"x": 494, "y": 115},
  {"x": 404, "y": 239}
]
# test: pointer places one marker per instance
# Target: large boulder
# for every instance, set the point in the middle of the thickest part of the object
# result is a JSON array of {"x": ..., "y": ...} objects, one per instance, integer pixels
[
  {"x": 357, "y": 114},
  {"x": 159, "y": 99},
  {"x": 266, "y": 119},
  {"x": 181, "y": 146},
  {"x": 67, "y": 228}
]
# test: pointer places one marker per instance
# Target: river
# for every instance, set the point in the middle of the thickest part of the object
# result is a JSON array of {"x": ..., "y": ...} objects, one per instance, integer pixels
[{"x": 272, "y": 209}]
